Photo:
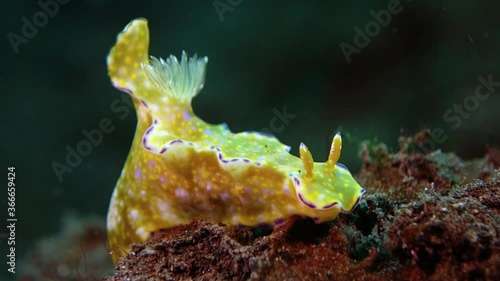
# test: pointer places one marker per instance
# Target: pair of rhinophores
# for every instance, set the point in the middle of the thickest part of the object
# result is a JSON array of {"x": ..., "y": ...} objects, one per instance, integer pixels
[{"x": 180, "y": 168}]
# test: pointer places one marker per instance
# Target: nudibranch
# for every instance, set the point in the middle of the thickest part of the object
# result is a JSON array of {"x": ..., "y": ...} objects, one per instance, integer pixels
[{"x": 180, "y": 168}]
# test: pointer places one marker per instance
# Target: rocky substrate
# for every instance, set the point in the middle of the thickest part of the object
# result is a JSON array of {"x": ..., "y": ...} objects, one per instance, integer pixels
[{"x": 425, "y": 217}]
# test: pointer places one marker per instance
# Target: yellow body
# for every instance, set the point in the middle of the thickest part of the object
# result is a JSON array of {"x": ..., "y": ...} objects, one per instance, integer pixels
[{"x": 180, "y": 168}]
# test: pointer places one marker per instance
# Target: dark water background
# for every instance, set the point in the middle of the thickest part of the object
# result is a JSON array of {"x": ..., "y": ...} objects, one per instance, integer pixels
[{"x": 263, "y": 56}]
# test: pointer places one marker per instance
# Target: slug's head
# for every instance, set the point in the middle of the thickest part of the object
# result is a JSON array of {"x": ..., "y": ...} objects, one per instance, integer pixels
[{"x": 324, "y": 186}]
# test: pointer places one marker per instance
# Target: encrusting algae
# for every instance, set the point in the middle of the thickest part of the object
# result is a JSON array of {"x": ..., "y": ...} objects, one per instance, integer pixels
[{"x": 181, "y": 168}]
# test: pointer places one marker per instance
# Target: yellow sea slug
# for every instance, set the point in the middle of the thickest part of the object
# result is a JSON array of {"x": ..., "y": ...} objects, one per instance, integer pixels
[{"x": 181, "y": 168}]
